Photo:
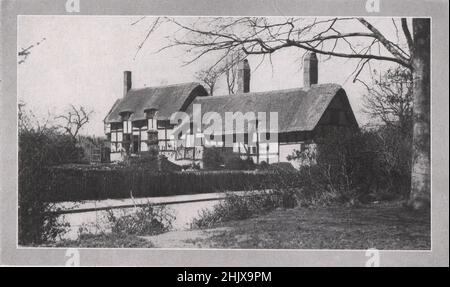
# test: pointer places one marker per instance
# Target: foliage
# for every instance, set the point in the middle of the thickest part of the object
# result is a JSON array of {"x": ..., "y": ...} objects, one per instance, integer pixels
[
  {"x": 390, "y": 99},
  {"x": 144, "y": 220},
  {"x": 237, "y": 207},
  {"x": 215, "y": 158},
  {"x": 357, "y": 166},
  {"x": 40, "y": 148},
  {"x": 72, "y": 184}
]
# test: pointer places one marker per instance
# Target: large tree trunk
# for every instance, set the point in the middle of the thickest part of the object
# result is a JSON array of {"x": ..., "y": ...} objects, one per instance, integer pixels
[{"x": 420, "y": 176}]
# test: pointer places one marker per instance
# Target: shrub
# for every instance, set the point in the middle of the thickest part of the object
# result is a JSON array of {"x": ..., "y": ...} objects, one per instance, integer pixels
[
  {"x": 237, "y": 207},
  {"x": 144, "y": 220},
  {"x": 357, "y": 166},
  {"x": 72, "y": 184},
  {"x": 215, "y": 158},
  {"x": 38, "y": 150}
]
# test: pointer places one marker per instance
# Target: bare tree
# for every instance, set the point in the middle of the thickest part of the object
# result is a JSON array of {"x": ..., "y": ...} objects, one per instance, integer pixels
[
  {"x": 209, "y": 77},
  {"x": 231, "y": 69},
  {"x": 390, "y": 98},
  {"x": 74, "y": 120},
  {"x": 353, "y": 38},
  {"x": 228, "y": 68},
  {"x": 27, "y": 121}
]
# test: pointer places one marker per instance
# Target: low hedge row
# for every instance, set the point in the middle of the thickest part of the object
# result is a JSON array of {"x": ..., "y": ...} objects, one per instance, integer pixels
[{"x": 77, "y": 185}]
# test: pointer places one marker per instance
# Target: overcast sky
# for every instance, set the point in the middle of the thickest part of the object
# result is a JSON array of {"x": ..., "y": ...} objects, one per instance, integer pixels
[{"x": 82, "y": 61}]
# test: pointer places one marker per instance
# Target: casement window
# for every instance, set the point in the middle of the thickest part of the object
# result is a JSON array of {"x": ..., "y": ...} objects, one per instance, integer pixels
[
  {"x": 127, "y": 127},
  {"x": 162, "y": 145},
  {"x": 150, "y": 114},
  {"x": 161, "y": 125},
  {"x": 151, "y": 124},
  {"x": 162, "y": 134},
  {"x": 144, "y": 136}
]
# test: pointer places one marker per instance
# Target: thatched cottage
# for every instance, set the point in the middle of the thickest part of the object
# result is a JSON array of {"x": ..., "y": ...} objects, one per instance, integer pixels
[{"x": 140, "y": 120}]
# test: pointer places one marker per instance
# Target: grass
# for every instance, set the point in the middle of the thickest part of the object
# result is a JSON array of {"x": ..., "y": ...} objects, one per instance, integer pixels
[
  {"x": 381, "y": 226},
  {"x": 106, "y": 240},
  {"x": 385, "y": 226}
]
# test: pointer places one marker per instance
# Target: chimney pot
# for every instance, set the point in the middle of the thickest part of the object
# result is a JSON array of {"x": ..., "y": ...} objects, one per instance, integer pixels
[
  {"x": 243, "y": 77},
  {"x": 310, "y": 70},
  {"x": 126, "y": 82}
]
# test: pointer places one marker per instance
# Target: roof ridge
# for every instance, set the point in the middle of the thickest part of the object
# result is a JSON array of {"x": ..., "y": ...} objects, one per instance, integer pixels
[
  {"x": 164, "y": 86},
  {"x": 269, "y": 91}
]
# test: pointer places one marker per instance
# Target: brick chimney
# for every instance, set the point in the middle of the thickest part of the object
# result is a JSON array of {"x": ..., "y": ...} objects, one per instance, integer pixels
[
  {"x": 243, "y": 79},
  {"x": 310, "y": 70},
  {"x": 126, "y": 82}
]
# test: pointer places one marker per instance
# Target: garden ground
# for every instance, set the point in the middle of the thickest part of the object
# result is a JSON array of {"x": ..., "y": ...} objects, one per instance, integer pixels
[{"x": 378, "y": 225}]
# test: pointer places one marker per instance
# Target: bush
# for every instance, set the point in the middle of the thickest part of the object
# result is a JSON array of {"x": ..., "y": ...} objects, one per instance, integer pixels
[
  {"x": 144, "y": 220},
  {"x": 70, "y": 184},
  {"x": 216, "y": 158},
  {"x": 38, "y": 150},
  {"x": 357, "y": 166},
  {"x": 237, "y": 207}
]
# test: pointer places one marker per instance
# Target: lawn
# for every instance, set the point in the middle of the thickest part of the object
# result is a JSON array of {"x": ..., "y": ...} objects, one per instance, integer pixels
[
  {"x": 388, "y": 226},
  {"x": 378, "y": 225},
  {"x": 109, "y": 240}
]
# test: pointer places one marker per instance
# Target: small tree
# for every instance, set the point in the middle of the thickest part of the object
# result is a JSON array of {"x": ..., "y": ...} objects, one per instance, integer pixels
[
  {"x": 74, "y": 120},
  {"x": 227, "y": 68},
  {"x": 41, "y": 146},
  {"x": 209, "y": 77},
  {"x": 390, "y": 99}
]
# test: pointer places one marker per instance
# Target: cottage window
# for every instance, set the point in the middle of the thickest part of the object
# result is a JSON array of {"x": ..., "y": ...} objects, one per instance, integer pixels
[
  {"x": 162, "y": 134},
  {"x": 151, "y": 118},
  {"x": 127, "y": 127},
  {"x": 152, "y": 124},
  {"x": 162, "y": 145},
  {"x": 144, "y": 136}
]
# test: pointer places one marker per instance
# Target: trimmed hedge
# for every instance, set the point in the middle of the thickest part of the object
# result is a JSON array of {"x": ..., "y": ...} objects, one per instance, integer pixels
[{"x": 78, "y": 185}]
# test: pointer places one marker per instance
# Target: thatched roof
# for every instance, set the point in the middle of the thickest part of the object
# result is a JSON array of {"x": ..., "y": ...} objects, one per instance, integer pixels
[
  {"x": 166, "y": 99},
  {"x": 298, "y": 109}
]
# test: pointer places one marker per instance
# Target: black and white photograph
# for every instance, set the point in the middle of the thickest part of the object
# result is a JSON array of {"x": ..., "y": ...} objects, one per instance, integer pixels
[{"x": 225, "y": 132}]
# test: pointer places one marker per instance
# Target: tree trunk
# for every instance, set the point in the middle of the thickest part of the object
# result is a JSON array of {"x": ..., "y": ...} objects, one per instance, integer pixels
[{"x": 420, "y": 175}]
